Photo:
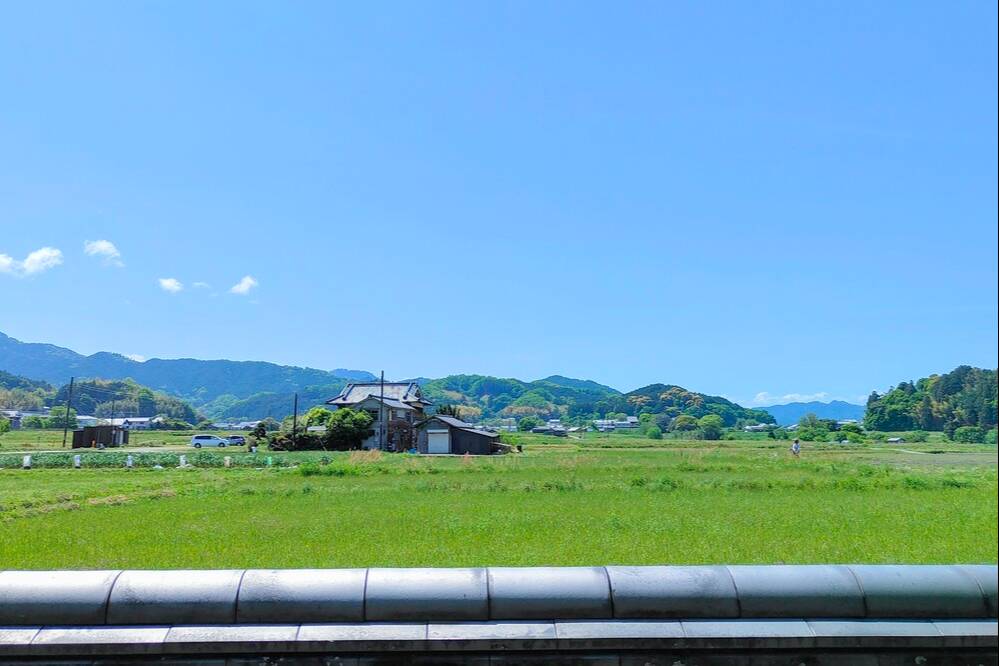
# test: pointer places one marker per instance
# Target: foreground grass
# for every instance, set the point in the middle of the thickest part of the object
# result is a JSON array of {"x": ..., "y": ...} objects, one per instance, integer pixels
[{"x": 551, "y": 506}]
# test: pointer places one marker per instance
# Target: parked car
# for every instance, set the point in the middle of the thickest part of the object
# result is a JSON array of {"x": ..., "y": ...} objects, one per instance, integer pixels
[
  {"x": 208, "y": 440},
  {"x": 237, "y": 440}
]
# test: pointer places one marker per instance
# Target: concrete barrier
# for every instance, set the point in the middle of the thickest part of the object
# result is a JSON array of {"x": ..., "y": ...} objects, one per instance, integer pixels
[
  {"x": 673, "y": 592},
  {"x": 549, "y": 593},
  {"x": 426, "y": 594},
  {"x": 663, "y": 608},
  {"x": 174, "y": 597}
]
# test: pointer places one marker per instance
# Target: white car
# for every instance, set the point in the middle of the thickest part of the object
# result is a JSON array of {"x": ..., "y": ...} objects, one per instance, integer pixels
[{"x": 208, "y": 440}]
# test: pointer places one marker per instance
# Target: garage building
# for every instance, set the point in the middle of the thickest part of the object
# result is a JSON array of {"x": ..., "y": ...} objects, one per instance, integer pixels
[{"x": 448, "y": 435}]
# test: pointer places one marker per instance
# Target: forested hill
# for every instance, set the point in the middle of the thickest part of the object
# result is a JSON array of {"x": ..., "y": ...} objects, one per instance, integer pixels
[
  {"x": 675, "y": 400},
  {"x": 563, "y": 397},
  {"x": 195, "y": 380},
  {"x": 230, "y": 390},
  {"x": 964, "y": 397},
  {"x": 490, "y": 397},
  {"x": 93, "y": 397}
]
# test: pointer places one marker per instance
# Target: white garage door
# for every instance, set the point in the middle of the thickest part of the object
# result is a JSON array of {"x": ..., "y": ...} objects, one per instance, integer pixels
[{"x": 438, "y": 442}]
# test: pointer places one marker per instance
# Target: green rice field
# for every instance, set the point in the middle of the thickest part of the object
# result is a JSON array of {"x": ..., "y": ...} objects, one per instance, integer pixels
[{"x": 607, "y": 500}]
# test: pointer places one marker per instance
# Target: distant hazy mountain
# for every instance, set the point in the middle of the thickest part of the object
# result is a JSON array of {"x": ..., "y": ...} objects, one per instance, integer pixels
[
  {"x": 837, "y": 409},
  {"x": 196, "y": 380}
]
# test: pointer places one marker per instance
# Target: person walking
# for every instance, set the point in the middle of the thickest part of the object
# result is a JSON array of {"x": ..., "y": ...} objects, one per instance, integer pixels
[{"x": 796, "y": 448}]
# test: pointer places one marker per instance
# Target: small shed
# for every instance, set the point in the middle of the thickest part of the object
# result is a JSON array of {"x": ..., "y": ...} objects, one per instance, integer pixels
[
  {"x": 91, "y": 436},
  {"x": 448, "y": 435}
]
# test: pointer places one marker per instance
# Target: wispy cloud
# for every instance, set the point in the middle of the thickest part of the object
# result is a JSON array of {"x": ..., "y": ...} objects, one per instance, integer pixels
[
  {"x": 172, "y": 285},
  {"x": 104, "y": 249},
  {"x": 136, "y": 357},
  {"x": 244, "y": 286},
  {"x": 764, "y": 399},
  {"x": 201, "y": 285},
  {"x": 36, "y": 262}
]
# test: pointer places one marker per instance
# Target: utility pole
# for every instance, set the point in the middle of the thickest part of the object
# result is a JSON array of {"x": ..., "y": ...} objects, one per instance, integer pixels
[
  {"x": 381, "y": 414},
  {"x": 69, "y": 401},
  {"x": 294, "y": 422},
  {"x": 113, "y": 398}
]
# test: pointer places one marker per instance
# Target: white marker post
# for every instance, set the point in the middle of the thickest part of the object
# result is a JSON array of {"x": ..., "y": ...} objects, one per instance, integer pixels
[
  {"x": 26, "y": 462},
  {"x": 77, "y": 461},
  {"x": 128, "y": 462},
  {"x": 183, "y": 461}
]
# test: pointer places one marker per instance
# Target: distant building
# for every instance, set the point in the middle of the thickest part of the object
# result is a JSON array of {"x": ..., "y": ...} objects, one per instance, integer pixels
[
  {"x": 132, "y": 422},
  {"x": 14, "y": 416},
  {"x": 896, "y": 440},
  {"x": 759, "y": 427},
  {"x": 395, "y": 407},
  {"x": 447, "y": 435},
  {"x": 83, "y": 421}
]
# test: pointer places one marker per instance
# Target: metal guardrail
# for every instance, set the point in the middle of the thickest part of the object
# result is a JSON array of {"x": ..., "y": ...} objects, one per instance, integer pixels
[{"x": 808, "y": 607}]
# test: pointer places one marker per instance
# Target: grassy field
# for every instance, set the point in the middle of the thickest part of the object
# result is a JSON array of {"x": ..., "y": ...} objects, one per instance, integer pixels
[{"x": 561, "y": 502}]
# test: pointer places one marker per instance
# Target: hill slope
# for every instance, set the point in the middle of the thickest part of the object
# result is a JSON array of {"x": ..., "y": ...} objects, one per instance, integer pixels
[
  {"x": 837, "y": 410},
  {"x": 196, "y": 380},
  {"x": 965, "y": 396}
]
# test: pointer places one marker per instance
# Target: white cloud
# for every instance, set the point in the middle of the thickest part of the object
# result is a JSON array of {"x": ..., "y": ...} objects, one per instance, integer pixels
[
  {"x": 244, "y": 286},
  {"x": 201, "y": 285},
  {"x": 136, "y": 357},
  {"x": 38, "y": 261},
  {"x": 104, "y": 249},
  {"x": 173, "y": 285},
  {"x": 763, "y": 398}
]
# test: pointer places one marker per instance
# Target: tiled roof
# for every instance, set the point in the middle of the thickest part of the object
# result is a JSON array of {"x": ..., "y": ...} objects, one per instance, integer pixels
[{"x": 402, "y": 391}]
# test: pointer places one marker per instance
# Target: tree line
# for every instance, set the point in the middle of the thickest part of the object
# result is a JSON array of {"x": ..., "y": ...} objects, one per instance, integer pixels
[{"x": 960, "y": 403}]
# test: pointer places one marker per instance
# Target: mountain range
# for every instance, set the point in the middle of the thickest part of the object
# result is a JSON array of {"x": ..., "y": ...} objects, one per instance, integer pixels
[
  {"x": 195, "y": 380},
  {"x": 222, "y": 389},
  {"x": 838, "y": 410}
]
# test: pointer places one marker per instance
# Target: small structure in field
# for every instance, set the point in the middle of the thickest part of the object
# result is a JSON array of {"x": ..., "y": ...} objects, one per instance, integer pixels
[
  {"x": 101, "y": 435},
  {"x": 448, "y": 435}
]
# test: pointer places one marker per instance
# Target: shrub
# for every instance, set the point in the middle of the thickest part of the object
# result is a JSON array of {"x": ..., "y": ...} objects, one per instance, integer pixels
[
  {"x": 990, "y": 437},
  {"x": 970, "y": 435},
  {"x": 303, "y": 441},
  {"x": 917, "y": 436},
  {"x": 654, "y": 432}
]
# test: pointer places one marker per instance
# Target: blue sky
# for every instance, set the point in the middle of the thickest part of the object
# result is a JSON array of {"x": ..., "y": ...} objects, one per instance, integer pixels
[{"x": 756, "y": 200}]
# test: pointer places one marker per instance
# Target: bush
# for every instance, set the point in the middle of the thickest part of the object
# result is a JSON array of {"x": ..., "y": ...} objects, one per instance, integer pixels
[
  {"x": 917, "y": 436},
  {"x": 305, "y": 441},
  {"x": 654, "y": 432},
  {"x": 990, "y": 437},
  {"x": 970, "y": 435}
]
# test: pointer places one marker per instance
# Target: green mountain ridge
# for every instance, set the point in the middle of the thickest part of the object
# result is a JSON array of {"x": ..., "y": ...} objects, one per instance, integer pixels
[
  {"x": 237, "y": 390},
  {"x": 199, "y": 381}
]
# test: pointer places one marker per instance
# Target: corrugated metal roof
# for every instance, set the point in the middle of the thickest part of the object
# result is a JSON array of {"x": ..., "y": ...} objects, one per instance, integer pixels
[{"x": 461, "y": 425}]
